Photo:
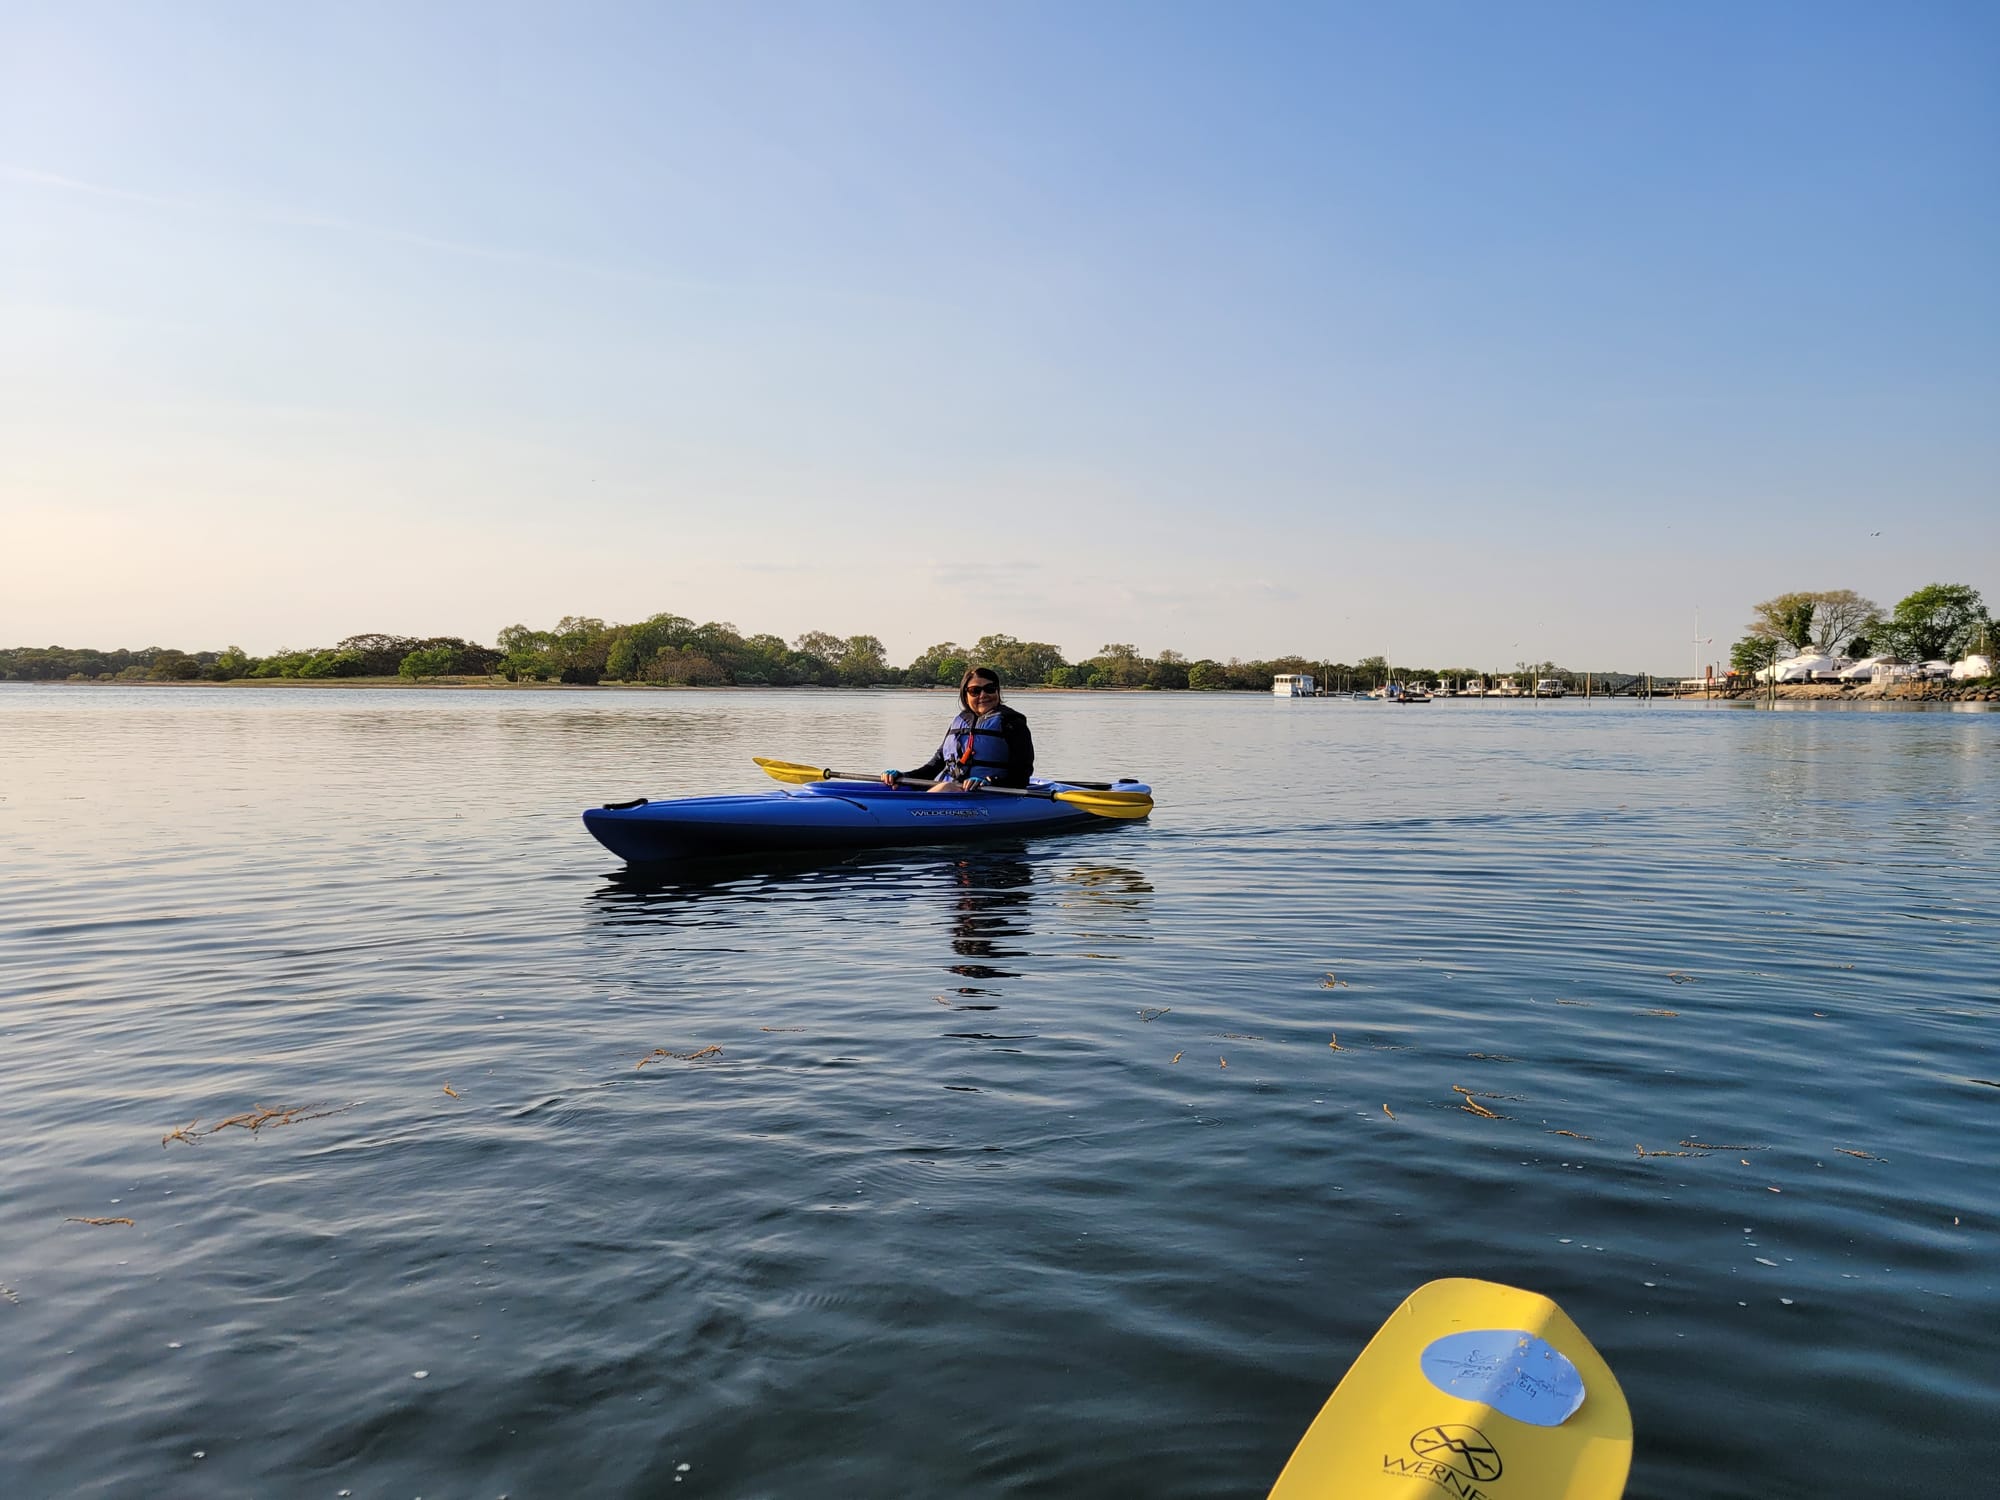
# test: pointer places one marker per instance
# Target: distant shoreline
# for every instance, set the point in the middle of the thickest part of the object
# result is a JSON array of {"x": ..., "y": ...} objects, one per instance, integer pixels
[
  {"x": 502, "y": 685},
  {"x": 1913, "y": 694}
]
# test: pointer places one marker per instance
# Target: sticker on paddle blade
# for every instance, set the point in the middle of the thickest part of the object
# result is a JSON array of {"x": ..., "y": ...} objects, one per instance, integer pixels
[{"x": 1514, "y": 1372}]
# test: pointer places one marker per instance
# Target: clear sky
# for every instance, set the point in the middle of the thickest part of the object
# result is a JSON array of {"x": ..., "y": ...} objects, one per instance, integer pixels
[{"x": 1462, "y": 333}]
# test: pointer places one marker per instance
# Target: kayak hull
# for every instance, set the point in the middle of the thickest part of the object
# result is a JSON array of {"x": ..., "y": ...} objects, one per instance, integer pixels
[{"x": 825, "y": 815}]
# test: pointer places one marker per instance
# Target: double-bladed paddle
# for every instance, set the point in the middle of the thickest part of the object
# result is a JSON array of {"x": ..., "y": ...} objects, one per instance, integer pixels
[{"x": 1105, "y": 803}]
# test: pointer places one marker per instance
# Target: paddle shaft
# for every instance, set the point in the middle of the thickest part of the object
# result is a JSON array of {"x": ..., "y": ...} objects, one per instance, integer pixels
[
  {"x": 1109, "y": 802},
  {"x": 1047, "y": 794},
  {"x": 1082, "y": 786}
]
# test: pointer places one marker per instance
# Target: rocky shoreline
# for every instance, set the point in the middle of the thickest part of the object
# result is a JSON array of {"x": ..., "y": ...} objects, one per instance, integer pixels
[{"x": 1985, "y": 690}]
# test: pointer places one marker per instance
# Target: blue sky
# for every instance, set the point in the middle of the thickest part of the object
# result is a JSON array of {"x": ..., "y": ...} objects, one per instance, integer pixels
[{"x": 1462, "y": 333}]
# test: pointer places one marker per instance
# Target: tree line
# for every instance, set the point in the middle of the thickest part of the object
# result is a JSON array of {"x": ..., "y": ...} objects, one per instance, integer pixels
[
  {"x": 664, "y": 649},
  {"x": 669, "y": 649},
  {"x": 1939, "y": 622}
]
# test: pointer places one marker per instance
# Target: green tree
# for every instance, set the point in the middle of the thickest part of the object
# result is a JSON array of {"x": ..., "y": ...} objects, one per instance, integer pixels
[
  {"x": 580, "y": 648},
  {"x": 1787, "y": 618},
  {"x": 633, "y": 647},
  {"x": 930, "y": 663},
  {"x": 315, "y": 664},
  {"x": 1016, "y": 660},
  {"x": 1169, "y": 672},
  {"x": 862, "y": 661},
  {"x": 1206, "y": 675},
  {"x": 764, "y": 659},
  {"x": 525, "y": 655},
  {"x": 1118, "y": 665},
  {"x": 1937, "y": 622},
  {"x": 427, "y": 661},
  {"x": 1754, "y": 653},
  {"x": 381, "y": 655},
  {"x": 1374, "y": 670},
  {"x": 815, "y": 656},
  {"x": 173, "y": 666}
]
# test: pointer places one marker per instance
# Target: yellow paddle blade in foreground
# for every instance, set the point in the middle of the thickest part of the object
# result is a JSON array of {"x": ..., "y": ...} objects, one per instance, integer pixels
[
  {"x": 791, "y": 771},
  {"x": 1471, "y": 1390},
  {"x": 1104, "y": 804}
]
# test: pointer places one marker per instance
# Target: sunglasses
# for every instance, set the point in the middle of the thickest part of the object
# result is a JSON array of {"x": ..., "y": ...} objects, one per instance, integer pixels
[{"x": 975, "y": 689}]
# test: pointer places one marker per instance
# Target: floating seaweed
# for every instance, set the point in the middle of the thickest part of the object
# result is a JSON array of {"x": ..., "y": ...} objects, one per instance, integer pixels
[
  {"x": 1644, "y": 1152},
  {"x": 253, "y": 1120},
  {"x": 1224, "y": 1061},
  {"x": 1177, "y": 1057},
  {"x": 1472, "y": 1105},
  {"x": 658, "y": 1052},
  {"x": 941, "y": 1001},
  {"x": 1679, "y": 978},
  {"x": 1491, "y": 1057},
  {"x": 1660, "y": 1013},
  {"x": 1711, "y": 1146},
  {"x": 1154, "y": 1012},
  {"x": 1572, "y": 1002},
  {"x": 1571, "y": 1134},
  {"x": 451, "y": 1091},
  {"x": 74, "y": 1219},
  {"x": 1863, "y": 1155},
  {"x": 1388, "y": 1111},
  {"x": 1331, "y": 983},
  {"x": 1333, "y": 1041}
]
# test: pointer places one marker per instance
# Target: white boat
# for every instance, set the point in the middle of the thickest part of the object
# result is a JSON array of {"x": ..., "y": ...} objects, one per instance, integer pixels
[
  {"x": 1506, "y": 687},
  {"x": 1475, "y": 687},
  {"x": 1292, "y": 685},
  {"x": 1548, "y": 687},
  {"x": 1973, "y": 667},
  {"x": 1808, "y": 666},
  {"x": 1874, "y": 669}
]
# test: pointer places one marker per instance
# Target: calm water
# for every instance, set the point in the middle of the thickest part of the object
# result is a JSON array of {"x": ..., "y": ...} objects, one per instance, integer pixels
[{"x": 968, "y": 1202}]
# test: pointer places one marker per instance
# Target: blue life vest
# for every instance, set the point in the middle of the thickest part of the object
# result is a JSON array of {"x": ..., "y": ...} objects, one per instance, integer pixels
[{"x": 974, "y": 747}]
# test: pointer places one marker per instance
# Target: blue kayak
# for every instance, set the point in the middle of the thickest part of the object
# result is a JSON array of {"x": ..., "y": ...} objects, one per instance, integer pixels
[{"x": 828, "y": 815}]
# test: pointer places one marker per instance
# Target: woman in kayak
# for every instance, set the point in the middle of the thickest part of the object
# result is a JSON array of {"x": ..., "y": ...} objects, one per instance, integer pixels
[{"x": 988, "y": 742}]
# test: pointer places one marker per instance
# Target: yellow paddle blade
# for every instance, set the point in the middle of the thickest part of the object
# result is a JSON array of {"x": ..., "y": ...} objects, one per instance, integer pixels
[
  {"x": 1110, "y": 804},
  {"x": 1470, "y": 1389},
  {"x": 790, "y": 771}
]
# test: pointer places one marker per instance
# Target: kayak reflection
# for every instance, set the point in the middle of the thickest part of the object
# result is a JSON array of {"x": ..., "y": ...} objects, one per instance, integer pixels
[
  {"x": 993, "y": 900},
  {"x": 991, "y": 897}
]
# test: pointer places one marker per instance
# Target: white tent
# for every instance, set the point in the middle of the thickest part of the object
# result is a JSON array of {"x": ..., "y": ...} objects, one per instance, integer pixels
[
  {"x": 1972, "y": 666},
  {"x": 1874, "y": 669},
  {"x": 1802, "y": 668}
]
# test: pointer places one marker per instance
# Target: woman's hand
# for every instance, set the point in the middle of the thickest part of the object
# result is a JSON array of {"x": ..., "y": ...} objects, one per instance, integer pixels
[{"x": 890, "y": 778}]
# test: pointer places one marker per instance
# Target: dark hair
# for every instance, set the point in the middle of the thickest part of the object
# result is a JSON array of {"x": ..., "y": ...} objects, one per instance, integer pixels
[{"x": 967, "y": 677}]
